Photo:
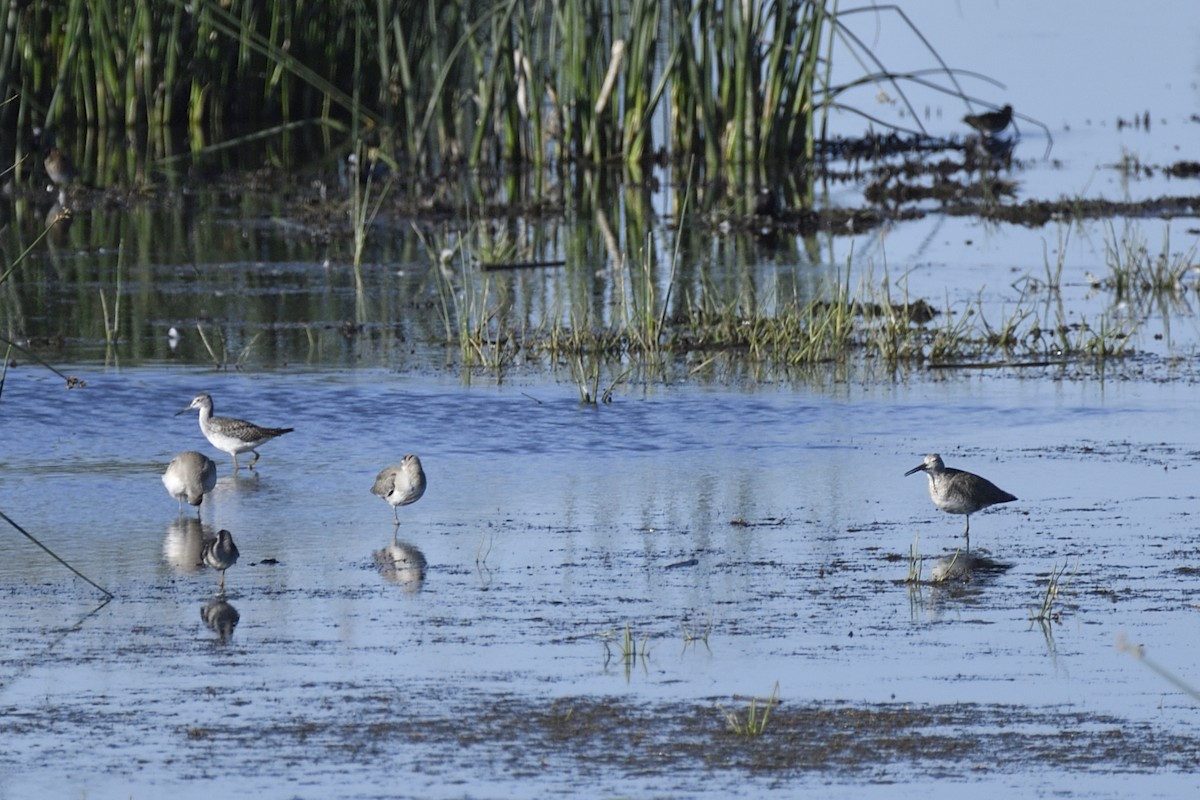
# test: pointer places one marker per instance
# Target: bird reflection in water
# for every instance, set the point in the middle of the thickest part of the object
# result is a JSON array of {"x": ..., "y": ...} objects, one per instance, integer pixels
[
  {"x": 221, "y": 617},
  {"x": 402, "y": 564},
  {"x": 182, "y": 545}
]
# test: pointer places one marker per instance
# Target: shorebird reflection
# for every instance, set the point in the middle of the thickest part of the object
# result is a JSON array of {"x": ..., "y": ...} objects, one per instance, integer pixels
[
  {"x": 402, "y": 564},
  {"x": 221, "y": 617}
]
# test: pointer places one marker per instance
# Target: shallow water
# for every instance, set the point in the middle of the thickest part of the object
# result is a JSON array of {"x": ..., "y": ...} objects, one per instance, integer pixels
[
  {"x": 778, "y": 512},
  {"x": 781, "y": 515}
]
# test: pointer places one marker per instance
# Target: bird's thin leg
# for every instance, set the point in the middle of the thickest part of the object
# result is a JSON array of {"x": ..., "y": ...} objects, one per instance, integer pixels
[
  {"x": 235, "y": 464},
  {"x": 396, "y": 515},
  {"x": 967, "y": 533},
  {"x": 255, "y": 461}
]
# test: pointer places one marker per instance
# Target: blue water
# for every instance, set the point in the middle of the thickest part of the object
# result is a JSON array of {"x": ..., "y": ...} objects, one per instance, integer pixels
[{"x": 549, "y": 526}]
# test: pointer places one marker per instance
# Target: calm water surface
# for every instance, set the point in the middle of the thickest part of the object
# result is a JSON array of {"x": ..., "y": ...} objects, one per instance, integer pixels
[
  {"x": 548, "y": 525},
  {"x": 779, "y": 512}
]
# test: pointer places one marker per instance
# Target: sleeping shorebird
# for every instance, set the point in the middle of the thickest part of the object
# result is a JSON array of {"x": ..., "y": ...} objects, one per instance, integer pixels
[
  {"x": 401, "y": 484},
  {"x": 190, "y": 476}
]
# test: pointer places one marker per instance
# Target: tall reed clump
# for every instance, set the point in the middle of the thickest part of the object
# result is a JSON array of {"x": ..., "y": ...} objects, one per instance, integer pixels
[
  {"x": 744, "y": 85},
  {"x": 485, "y": 82}
]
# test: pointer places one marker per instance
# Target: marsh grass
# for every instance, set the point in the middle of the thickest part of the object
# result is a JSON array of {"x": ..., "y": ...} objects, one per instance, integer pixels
[
  {"x": 629, "y": 649},
  {"x": 847, "y": 325},
  {"x": 916, "y": 562},
  {"x": 366, "y": 199},
  {"x": 692, "y": 634},
  {"x": 1134, "y": 272},
  {"x": 1046, "y": 611},
  {"x": 758, "y": 713},
  {"x": 744, "y": 85},
  {"x": 220, "y": 353}
]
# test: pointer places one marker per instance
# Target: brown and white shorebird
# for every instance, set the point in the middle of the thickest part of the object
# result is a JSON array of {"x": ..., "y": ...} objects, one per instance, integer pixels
[
  {"x": 992, "y": 122},
  {"x": 231, "y": 435},
  {"x": 220, "y": 553},
  {"x": 957, "y": 492},
  {"x": 401, "y": 484},
  {"x": 59, "y": 167},
  {"x": 190, "y": 476}
]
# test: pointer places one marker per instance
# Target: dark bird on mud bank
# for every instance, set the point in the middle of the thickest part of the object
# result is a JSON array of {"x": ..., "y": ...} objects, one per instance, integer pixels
[
  {"x": 991, "y": 122},
  {"x": 957, "y": 492}
]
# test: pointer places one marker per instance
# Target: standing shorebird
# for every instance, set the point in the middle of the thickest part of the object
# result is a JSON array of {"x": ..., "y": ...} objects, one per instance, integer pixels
[
  {"x": 991, "y": 122},
  {"x": 401, "y": 484},
  {"x": 59, "y": 167},
  {"x": 232, "y": 435},
  {"x": 958, "y": 492},
  {"x": 220, "y": 553},
  {"x": 190, "y": 476}
]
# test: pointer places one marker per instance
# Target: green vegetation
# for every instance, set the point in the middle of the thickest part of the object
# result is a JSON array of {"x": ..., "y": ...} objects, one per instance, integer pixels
[
  {"x": 757, "y": 713},
  {"x": 843, "y": 325},
  {"x": 739, "y": 85},
  {"x": 916, "y": 561},
  {"x": 1135, "y": 274},
  {"x": 629, "y": 648},
  {"x": 1046, "y": 611},
  {"x": 692, "y": 634}
]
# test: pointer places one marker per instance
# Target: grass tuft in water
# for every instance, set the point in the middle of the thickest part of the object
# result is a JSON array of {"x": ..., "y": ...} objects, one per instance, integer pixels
[
  {"x": 628, "y": 647},
  {"x": 1047, "y": 612},
  {"x": 915, "y": 561},
  {"x": 1134, "y": 273},
  {"x": 691, "y": 634},
  {"x": 758, "y": 712}
]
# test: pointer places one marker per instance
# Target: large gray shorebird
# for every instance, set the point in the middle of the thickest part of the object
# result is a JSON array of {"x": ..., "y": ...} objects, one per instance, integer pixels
[
  {"x": 957, "y": 492},
  {"x": 231, "y": 435},
  {"x": 190, "y": 476}
]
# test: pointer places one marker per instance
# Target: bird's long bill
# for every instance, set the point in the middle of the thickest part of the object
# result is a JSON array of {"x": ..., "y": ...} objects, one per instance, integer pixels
[
  {"x": 917, "y": 468},
  {"x": 184, "y": 411}
]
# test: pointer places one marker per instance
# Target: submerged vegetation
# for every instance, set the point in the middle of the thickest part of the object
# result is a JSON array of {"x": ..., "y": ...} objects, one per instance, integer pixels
[{"x": 839, "y": 323}]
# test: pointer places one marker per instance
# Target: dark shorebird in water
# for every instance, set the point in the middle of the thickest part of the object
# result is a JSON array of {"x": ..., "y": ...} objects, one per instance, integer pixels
[
  {"x": 958, "y": 492},
  {"x": 401, "y": 484},
  {"x": 190, "y": 476},
  {"x": 991, "y": 122},
  {"x": 231, "y": 435},
  {"x": 220, "y": 553}
]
